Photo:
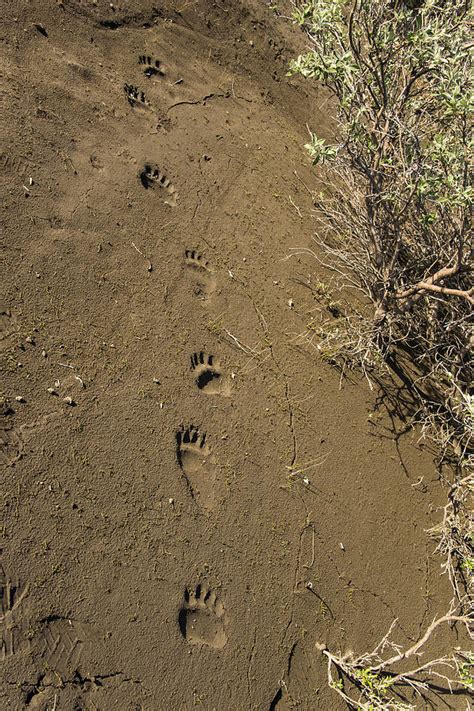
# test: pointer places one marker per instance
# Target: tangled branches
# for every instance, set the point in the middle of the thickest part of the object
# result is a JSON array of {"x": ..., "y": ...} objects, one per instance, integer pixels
[
  {"x": 381, "y": 684},
  {"x": 454, "y": 536}
]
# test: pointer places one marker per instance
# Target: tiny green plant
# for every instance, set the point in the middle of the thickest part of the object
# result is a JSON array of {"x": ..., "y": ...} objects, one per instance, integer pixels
[{"x": 466, "y": 670}]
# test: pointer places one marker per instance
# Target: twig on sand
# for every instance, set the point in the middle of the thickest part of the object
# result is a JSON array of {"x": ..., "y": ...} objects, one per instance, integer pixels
[
  {"x": 138, "y": 250},
  {"x": 295, "y": 206}
]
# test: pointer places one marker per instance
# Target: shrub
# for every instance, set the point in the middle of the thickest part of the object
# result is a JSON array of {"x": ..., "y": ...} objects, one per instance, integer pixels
[{"x": 395, "y": 214}]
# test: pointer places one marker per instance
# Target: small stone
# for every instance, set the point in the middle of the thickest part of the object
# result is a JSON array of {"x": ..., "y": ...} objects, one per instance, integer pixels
[
  {"x": 69, "y": 401},
  {"x": 52, "y": 391},
  {"x": 43, "y": 353},
  {"x": 20, "y": 398}
]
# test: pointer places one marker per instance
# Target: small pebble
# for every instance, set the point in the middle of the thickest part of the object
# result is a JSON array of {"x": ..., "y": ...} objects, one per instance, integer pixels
[
  {"x": 44, "y": 354},
  {"x": 52, "y": 391},
  {"x": 20, "y": 398},
  {"x": 68, "y": 400}
]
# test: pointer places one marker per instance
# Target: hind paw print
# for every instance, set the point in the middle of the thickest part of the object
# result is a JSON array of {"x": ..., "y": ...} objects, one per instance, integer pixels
[
  {"x": 136, "y": 97},
  {"x": 197, "y": 464},
  {"x": 203, "y": 273},
  {"x": 151, "y": 175},
  {"x": 208, "y": 375},
  {"x": 202, "y": 618},
  {"x": 152, "y": 67}
]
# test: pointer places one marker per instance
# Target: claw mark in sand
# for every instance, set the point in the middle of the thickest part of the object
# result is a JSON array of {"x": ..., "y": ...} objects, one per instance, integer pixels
[
  {"x": 202, "y": 618},
  {"x": 203, "y": 273},
  {"x": 151, "y": 175},
  {"x": 197, "y": 464},
  {"x": 152, "y": 66}
]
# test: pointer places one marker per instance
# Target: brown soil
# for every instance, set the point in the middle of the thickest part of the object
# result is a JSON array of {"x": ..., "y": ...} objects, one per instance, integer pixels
[{"x": 157, "y": 548}]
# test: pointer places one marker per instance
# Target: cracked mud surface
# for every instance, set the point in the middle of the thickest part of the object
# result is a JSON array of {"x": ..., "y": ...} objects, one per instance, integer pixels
[{"x": 101, "y": 532}]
